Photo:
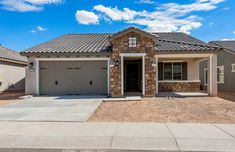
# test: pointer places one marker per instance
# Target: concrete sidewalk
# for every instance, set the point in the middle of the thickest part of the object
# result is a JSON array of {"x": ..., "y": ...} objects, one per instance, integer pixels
[{"x": 59, "y": 136}]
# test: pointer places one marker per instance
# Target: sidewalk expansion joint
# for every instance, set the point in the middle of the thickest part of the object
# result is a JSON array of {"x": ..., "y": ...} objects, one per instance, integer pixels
[
  {"x": 223, "y": 130},
  {"x": 173, "y": 137}
]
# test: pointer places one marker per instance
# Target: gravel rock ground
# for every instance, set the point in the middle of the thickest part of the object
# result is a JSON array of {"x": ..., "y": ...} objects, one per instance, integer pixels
[{"x": 179, "y": 110}]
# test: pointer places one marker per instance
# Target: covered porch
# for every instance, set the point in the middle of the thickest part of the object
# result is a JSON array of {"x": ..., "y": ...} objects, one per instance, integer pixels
[{"x": 179, "y": 73}]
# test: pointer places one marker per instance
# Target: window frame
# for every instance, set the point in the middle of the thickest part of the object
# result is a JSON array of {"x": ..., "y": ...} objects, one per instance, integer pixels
[
  {"x": 132, "y": 42},
  {"x": 233, "y": 67},
  {"x": 218, "y": 74},
  {"x": 205, "y": 76},
  {"x": 172, "y": 71}
]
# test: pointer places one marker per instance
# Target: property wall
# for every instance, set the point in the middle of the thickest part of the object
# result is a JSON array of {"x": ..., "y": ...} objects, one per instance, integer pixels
[
  {"x": 224, "y": 59},
  {"x": 144, "y": 45},
  {"x": 12, "y": 76}
]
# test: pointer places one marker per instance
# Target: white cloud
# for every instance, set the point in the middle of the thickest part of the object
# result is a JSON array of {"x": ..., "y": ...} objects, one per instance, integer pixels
[
  {"x": 144, "y": 2},
  {"x": 167, "y": 17},
  {"x": 26, "y": 5},
  {"x": 33, "y": 31},
  {"x": 233, "y": 32},
  {"x": 225, "y": 9},
  {"x": 85, "y": 17},
  {"x": 227, "y": 39},
  {"x": 38, "y": 29},
  {"x": 116, "y": 14}
]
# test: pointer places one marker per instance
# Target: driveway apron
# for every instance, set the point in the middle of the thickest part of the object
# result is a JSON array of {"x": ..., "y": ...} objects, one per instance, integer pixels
[{"x": 57, "y": 108}]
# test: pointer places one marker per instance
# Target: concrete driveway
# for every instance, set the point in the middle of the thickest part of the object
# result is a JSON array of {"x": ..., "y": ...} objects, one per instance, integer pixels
[{"x": 60, "y": 108}]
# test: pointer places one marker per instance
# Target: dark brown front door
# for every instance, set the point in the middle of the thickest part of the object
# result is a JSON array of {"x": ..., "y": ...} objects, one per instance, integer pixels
[{"x": 132, "y": 77}]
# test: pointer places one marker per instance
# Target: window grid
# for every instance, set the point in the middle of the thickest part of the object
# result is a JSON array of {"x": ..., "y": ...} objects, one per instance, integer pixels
[
  {"x": 132, "y": 42},
  {"x": 233, "y": 67},
  {"x": 172, "y": 71}
]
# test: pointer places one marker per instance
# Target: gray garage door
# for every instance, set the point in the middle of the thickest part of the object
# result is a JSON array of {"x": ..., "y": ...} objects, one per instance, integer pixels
[{"x": 73, "y": 77}]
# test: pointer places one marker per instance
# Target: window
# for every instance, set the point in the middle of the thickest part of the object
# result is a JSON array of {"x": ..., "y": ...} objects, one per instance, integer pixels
[
  {"x": 132, "y": 42},
  {"x": 177, "y": 71},
  {"x": 172, "y": 71},
  {"x": 220, "y": 74},
  {"x": 205, "y": 76},
  {"x": 167, "y": 71},
  {"x": 233, "y": 67}
]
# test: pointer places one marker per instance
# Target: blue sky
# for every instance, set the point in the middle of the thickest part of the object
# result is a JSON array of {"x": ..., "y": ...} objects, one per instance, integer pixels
[{"x": 25, "y": 23}]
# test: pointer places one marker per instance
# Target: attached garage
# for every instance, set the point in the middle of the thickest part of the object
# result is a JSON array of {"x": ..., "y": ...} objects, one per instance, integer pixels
[{"x": 73, "y": 77}]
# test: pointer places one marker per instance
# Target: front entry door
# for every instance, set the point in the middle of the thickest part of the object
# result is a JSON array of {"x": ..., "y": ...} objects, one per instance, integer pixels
[{"x": 132, "y": 77}]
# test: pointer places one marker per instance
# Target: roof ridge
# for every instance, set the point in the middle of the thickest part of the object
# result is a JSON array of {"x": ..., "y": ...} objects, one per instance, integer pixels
[
  {"x": 8, "y": 49},
  {"x": 167, "y": 32},
  {"x": 207, "y": 45},
  {"x": 222, "y": 41},
  {"x": 88, "y": 33}
]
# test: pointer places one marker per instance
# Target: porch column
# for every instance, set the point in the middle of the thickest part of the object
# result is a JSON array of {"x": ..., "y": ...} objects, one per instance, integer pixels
[
  {"x": 108, "y": 76},
  {"x": 122, "y": 76},
  {"x": 143, "y": 75},
  {"x": 212, "y": 75},
  {"x": 156, "y": 67},
  {"x": 37, "y": 76}
]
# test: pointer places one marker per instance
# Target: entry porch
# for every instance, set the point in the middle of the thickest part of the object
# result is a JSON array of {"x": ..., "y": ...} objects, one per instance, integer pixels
[{"x": 180, "y": 73}]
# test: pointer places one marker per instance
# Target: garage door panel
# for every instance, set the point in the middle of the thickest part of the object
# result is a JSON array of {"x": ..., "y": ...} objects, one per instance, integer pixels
[{"x": 73, "y": 77}]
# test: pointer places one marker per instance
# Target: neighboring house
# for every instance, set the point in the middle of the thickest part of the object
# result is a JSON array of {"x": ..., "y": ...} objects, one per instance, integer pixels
[
  {"x": 118, "y": 64},
  {"x": 226, "y": 67},
  {"x": 12, "y": 70}
]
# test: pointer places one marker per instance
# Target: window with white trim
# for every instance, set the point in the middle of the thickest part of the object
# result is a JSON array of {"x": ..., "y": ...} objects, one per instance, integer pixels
[
  {"x": 220, "y": 74},
  {"x": 132, "y": 41},
  {"x": 172, "y": 71},
  {"x": 205, "y": 76},
  {"x": 233, "y": 67}
]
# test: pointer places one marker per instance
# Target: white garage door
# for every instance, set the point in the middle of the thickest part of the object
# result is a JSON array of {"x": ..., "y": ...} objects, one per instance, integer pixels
[{"x": 73, "y": 77}]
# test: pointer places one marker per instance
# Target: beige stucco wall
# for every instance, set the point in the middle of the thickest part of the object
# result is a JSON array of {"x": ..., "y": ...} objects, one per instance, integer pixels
[
  {"x": 193, "y": 69},
  {"x": 12, "y": 76},
  {"x": 30, "y": 80}
]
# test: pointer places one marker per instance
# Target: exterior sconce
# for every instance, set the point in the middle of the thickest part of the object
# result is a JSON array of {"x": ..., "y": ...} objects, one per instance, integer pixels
[
  {"x": 117, "y": 62},
  {"x": 31, "y": 67}
]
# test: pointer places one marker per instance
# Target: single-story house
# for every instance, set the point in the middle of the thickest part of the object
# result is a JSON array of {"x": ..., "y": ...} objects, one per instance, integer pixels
[
  {"x": 225, "y": 67},
  {"x": 12, "y": 70},
  {"x": 119, "y": 64}
]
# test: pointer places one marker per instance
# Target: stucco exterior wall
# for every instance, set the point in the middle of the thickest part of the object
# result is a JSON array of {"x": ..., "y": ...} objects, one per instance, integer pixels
[
  {"x": 12, "y": 76},
  {"x": 30, "y": 80},
  {"x": 193, "y": 69},
  {"x": 224, "y": 59}
]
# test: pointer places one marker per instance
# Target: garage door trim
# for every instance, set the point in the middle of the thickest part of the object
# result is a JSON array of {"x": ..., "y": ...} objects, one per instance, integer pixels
[{"x": 37, "y": 60}]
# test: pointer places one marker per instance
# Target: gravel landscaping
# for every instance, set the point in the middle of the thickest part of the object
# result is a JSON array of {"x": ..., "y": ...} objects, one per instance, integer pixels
[
  {"x": 179, "y": 110},
  {"x": 9, "y": 97}
]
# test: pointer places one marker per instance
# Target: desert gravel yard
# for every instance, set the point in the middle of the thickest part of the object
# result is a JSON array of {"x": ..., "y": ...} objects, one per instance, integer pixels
[
  {"x": 9, "y": 97},
  {"x": 180, "y": 110}
]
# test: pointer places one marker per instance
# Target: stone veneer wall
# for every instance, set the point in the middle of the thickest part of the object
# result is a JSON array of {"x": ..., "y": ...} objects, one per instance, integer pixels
[
  {"x": 179, "y": 86},
  {"x": 144, "y": 45}
]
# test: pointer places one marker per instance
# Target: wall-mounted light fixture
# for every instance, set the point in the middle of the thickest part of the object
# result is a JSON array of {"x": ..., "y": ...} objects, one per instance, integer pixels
[
  {"x": 31, "y": 67},
  {"x": 117, "y": 62}
]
